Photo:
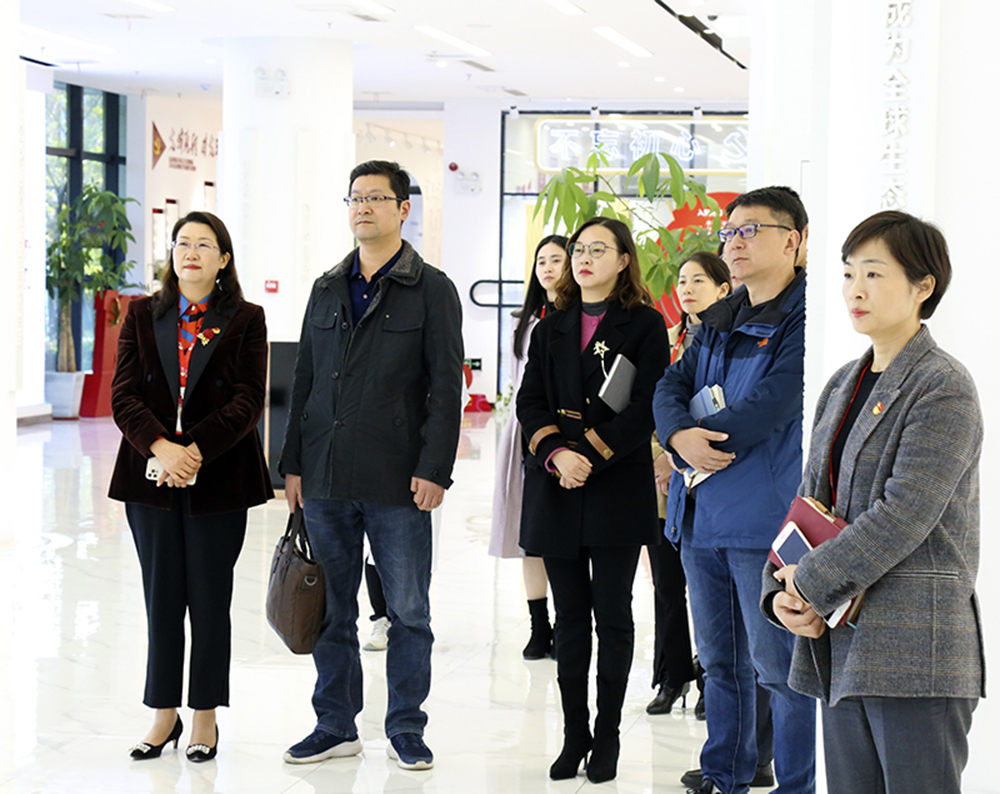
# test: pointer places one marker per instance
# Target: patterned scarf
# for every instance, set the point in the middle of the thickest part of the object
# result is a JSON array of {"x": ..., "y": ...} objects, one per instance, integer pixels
[{"x": 188, "y": 328}]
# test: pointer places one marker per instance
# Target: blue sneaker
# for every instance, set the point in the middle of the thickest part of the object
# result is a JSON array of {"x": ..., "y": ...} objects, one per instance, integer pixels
[
  {"x": 320, "y": 745},
  {"x": 409, "y": 751}
]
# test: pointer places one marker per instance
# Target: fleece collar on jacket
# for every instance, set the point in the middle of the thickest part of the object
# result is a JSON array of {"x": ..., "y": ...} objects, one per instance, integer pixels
[
  {"x": 722, "y": 314},
  {"x": 407, "y": 269}
]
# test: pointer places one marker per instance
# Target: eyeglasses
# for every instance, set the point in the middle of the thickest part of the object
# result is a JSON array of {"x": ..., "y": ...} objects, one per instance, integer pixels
[
  {"x": 354, "y": 202},
  {"x": 596, "y": 250},
  {"x": 749, "y": 231},
  {"x": 184, "y": 246}
]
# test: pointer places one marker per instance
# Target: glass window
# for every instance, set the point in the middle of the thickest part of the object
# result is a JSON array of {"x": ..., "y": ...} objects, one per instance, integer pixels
[
  {"x": 94, "y": 173},
  {"x": 56, "y": 118},
  {"x": 93, "y": 120}
]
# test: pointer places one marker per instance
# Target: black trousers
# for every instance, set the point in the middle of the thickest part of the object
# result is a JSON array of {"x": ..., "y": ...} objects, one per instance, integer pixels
[
  {"x": 376, "y": 596},
  {"x": 599, "y": 583},
  {"x": 672, "y": 645},
  {"x": 187, "y": 568}
]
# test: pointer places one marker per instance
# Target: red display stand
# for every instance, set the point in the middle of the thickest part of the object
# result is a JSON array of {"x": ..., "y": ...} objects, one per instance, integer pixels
[{"x": 109, "y": 311}]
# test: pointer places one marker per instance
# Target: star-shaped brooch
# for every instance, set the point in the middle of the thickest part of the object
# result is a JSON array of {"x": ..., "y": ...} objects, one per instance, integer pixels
[{"x": 600, "y": 348}]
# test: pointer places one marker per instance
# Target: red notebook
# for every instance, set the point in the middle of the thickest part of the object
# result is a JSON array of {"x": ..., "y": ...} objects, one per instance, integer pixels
[{"x": 808, "y": 524}]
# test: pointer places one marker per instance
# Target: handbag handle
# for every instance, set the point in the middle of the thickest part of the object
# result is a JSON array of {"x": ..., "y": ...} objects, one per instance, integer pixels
[{"x": 296, "y": 534}]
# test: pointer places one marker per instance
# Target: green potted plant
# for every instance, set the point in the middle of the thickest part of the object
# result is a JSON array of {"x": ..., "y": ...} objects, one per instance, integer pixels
[
  {"x": 575, "y": 195},
  {"x": 86, "y": 254}
]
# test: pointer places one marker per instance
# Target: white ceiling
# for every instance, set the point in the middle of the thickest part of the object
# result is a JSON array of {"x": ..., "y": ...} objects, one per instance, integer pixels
[{"x": 532, "y": 48}]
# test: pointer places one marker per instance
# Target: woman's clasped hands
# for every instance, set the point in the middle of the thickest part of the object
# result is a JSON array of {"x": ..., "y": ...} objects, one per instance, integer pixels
[
  {"x": 573, "y": 468},
  {"x": 180, "y": 463}
]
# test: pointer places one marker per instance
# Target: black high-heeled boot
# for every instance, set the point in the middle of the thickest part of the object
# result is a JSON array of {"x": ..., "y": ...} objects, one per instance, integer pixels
[
  {"x": 574, "y": 751},
  {"x": 142, "y": 751},
  {"x": 540, "y": 644},
  {"x": 603, "y": 763}
]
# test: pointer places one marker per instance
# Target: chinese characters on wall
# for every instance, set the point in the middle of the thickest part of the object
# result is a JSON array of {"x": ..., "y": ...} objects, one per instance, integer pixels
[{"x": 894, "y": 160}]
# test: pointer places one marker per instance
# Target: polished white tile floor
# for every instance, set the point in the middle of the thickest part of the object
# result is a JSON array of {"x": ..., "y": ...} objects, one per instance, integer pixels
[{"x": 72, "y": 651}]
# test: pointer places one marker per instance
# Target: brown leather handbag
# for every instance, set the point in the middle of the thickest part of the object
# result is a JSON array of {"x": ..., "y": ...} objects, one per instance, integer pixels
[{"x": 296, "y": 598}]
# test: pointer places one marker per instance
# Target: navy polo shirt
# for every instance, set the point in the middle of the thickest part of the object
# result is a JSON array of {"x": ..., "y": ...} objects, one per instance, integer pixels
[{"x": 362, "y": 292}]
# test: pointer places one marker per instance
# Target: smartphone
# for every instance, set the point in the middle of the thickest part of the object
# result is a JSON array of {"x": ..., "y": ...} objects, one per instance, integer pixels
[
  {"x": 791, "y": 546},
  {"x": 154, "y": 468}
]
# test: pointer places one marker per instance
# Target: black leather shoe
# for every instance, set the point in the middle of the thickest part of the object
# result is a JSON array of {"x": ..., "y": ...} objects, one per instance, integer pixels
[
  {"x": 142, "y": 751},
  {"x": 664, "y": 701},
  {"x": 567, "y": 765},
  {"x": 699, "y": 708},
  {"x": 199, "y": 753},
  {"x": 539, "y": 644},
  {"x": 763, "y": 777}
]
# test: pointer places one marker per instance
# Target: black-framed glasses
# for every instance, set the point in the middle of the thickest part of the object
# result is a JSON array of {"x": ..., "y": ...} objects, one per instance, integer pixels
[
  {"x": 202, "y": 248},
  {"x": 596, "y": 250},
  {"x": 356, "y": 201},
  {"x": 748, "y": 231}
]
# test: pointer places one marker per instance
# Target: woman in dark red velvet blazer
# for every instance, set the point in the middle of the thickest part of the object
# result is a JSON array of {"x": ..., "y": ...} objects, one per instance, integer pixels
[{"x": 189, "y": 390}]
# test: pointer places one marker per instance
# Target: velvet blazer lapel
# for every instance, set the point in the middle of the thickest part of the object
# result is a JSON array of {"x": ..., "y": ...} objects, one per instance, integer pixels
[
  {"x": 165, "y": 330},
  {"x": 202, "y": 351}
]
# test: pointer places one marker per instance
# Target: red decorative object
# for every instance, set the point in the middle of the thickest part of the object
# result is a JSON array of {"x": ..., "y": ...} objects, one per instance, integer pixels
[
  {"x": 271, "y": 285},
  {"x": 109, "y": 311},
  {"x": 478, "y": 402}
]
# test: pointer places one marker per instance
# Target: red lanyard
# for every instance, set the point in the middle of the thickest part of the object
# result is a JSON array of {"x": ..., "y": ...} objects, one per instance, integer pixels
[
  {"x": 678, "y": 347},
  {"x": 857, "y": 386}
]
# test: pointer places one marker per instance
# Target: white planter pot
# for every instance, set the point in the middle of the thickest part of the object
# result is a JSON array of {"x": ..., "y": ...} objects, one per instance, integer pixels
[{"x": 64, "y": 390}]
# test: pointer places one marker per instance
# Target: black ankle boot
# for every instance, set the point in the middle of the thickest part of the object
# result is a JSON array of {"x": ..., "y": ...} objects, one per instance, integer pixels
[
  {"x": 540, "y": 644},
  {"x": 567, "y": 765},
  {"x": 603, "y": 764}
]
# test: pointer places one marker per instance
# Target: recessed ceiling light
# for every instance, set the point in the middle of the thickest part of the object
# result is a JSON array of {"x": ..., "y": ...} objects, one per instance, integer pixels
[
  {"x": 566, "y": 7},
  {"x": 441, "y": 63},
  {"x": 152, "y": 5},
  {"x": 211, "y": 61},
  {"x": 454, "y": 41},
  {"x": 622, "y": 41},
  {"x": 373, "y": 7},
  {"x": 623, "y": 64},
  {"x": 679, "y": 89},
  {"x": 659, "y": 79}
]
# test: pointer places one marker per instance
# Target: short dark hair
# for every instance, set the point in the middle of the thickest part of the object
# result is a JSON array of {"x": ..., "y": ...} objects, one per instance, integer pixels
[
  {"x": 783, "y": 202},
  {"x": 628, "y": 291},
  {"x": 917, "y": 245},
  {"x": 227, "y": 291},
  {"x": 399, "y": 180}
]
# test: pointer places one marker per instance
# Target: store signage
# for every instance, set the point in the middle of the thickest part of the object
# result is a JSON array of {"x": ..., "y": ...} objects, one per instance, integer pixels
[
  {"x": 896, "y": 114},
  {"x": 718, "y": 143}
]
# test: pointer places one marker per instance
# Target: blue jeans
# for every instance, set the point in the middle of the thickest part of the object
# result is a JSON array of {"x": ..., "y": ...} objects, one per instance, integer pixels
[
  {"x": 734, "y": 639},
  {"x": 400, "y": 539}
]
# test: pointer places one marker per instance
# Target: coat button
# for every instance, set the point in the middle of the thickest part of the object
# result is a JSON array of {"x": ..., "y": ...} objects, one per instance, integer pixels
[
  {"x": 397, "y": 422},
  {"x": 335, "y": 375},
  {"x": 338, "y": 424},
  {"x": 344, "y": 326},
  {"x": 305, "y": 415}
]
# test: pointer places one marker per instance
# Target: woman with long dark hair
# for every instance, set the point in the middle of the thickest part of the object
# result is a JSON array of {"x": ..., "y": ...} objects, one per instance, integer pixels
[
  {"x": 895, "y": 453},
  {"x": 701, "y": 281},
  {"x": 187, "y": 393},
  {"x": 550, "y": 261},
  {"x": 589, "y": 505}
]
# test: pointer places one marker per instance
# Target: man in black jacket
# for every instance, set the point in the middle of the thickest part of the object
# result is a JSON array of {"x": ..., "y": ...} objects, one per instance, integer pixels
[{"x": 371, "y": 438}]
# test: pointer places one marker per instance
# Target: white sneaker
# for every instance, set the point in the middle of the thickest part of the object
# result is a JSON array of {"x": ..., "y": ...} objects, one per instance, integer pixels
[{"x": 380, "y": 637}]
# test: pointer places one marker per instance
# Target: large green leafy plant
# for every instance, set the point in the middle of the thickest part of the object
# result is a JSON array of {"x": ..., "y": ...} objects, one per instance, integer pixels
[
  {"x": 575, "y": 195},
  {"x": 87, "y": 253}
]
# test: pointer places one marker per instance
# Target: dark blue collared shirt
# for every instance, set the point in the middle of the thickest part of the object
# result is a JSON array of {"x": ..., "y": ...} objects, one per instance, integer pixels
[{"x": 362, "y": 292}]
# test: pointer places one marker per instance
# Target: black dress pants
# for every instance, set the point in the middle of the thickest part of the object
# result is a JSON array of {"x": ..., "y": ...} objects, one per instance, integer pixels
[
  {"x": 672, "y": 645},
  {"x": 599, "y": 583},
  {"x": 187, "y": 568}
]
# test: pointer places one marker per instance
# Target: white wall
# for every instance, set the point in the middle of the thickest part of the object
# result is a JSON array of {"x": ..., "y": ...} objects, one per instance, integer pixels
[{"x": 11, "y": 203}]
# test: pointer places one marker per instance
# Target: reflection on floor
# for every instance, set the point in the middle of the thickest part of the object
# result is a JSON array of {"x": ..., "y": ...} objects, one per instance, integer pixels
[{"x": 73, "y": 654}]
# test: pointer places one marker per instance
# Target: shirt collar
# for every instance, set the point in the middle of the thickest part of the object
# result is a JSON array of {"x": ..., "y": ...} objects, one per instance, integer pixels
[
  {"x": 356, "y": 267},
  {"x": 200, "y": 306}
]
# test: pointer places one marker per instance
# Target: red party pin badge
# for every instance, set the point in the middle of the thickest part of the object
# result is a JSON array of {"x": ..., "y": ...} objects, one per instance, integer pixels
[{"x": 878, "y": 408}]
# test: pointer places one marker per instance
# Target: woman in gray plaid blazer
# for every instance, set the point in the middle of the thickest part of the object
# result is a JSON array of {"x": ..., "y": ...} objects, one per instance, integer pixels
[{"x": 895, "y": 452}]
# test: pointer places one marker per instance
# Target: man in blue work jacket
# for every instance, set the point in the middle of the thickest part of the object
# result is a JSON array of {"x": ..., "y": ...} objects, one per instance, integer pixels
[{"x": 752, "y": 345}]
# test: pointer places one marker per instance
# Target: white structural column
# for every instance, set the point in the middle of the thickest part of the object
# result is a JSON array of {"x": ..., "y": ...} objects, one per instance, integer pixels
[
  {"x": 11, "y": 230},
  {"x": 286, "y": 151},
  {"x": 872, "y": 104}
]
